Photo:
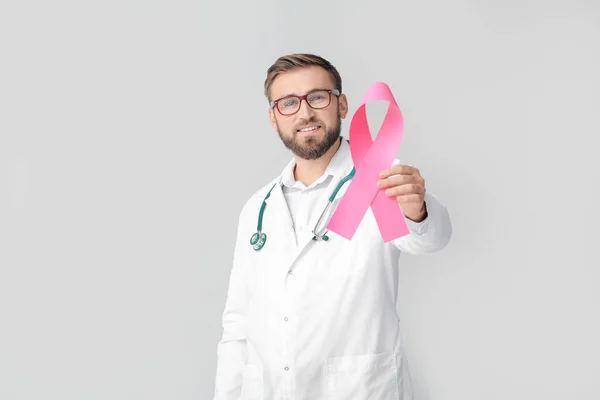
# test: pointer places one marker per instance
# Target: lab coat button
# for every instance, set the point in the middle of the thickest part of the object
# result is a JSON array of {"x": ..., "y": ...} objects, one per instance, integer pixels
[
  {"x": 285, "y": 319},
  {"x": 290, "y": 272},
  {"x": 287, "y": 368}
]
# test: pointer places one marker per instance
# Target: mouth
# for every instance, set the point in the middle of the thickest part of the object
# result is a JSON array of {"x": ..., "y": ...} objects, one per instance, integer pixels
[{"x": 308, "y": 130}]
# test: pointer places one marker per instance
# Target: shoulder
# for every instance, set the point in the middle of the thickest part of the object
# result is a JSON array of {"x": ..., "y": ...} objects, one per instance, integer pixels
[{"x": 254, "y": 201}]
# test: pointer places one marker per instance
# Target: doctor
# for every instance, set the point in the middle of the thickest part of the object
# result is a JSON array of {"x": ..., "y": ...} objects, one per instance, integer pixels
[{"x": 310, "y": 315}]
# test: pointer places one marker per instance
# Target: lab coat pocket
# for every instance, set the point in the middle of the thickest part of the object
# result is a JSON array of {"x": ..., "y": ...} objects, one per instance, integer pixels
[
  {"x": 367, "y": 376},
  {"x": 252, "y": 383}
]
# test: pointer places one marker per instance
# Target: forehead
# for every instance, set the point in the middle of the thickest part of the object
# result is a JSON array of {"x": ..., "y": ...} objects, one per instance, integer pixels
[{"x": 300, "y": 81}]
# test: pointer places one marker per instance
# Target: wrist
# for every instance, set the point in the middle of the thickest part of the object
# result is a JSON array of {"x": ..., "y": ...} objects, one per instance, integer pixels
[{"x": 422, "y": 215}]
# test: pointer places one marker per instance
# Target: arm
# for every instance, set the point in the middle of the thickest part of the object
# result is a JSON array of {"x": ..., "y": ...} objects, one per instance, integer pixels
[
  {"x": 231, "y": 349},
  {"x": 430, "y": 235}
]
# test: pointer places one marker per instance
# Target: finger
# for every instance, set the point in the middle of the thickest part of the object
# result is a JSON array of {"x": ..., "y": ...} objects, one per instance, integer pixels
[
  {"x": 399, "y": 170},
  {"x": 409, "y": 188},
  {"x": 397, "y": 180},
  {"x": 409, "y": 198}
]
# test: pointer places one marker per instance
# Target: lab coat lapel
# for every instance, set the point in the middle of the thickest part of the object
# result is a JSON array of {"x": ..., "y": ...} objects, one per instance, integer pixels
[{"x": 283, "y": 222}]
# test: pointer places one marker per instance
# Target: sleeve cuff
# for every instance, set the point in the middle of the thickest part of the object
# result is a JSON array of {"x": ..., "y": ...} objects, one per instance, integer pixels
[{"x": 420, "y": 228}]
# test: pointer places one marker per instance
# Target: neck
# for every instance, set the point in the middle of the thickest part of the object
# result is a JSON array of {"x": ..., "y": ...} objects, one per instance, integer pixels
[{"x": 308, "y": 171}]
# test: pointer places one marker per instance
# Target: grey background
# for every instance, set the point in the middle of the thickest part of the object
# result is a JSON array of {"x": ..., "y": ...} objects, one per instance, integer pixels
[{"x": 131, "y": 133}]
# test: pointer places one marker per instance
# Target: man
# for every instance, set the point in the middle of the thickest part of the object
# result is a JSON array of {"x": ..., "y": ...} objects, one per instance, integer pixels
[{"x": 309, "y": 318}]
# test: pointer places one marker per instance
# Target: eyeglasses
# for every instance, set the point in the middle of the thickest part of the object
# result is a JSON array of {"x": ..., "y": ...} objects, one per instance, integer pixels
[{"x": 316, "y": 99}]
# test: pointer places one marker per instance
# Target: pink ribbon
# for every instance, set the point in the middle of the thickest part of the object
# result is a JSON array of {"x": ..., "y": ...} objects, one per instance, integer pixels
[{"x": 370, "y": 158}]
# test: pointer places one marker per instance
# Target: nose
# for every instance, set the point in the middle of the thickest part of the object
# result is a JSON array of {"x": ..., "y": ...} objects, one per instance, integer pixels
[{"x": 305, "y": 111}]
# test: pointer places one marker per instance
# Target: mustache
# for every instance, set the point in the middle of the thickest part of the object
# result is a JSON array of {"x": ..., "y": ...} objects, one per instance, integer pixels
[{"x": 309, "y": 122}]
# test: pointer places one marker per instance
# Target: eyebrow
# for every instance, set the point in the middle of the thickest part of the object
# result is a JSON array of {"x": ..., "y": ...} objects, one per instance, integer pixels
[{"x": 310, "y": 91}]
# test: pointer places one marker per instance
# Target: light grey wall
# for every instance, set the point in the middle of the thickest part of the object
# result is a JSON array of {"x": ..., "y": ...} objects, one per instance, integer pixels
[{"x": 131, "y": 132}]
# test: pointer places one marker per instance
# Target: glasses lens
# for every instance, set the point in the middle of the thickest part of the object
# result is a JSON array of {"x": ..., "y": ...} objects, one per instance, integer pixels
[
  {"x": 318, "y": 99},
  {"x": 288, "y": 105}
]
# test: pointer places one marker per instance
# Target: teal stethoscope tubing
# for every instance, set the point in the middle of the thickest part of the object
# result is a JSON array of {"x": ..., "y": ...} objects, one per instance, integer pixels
[{"x": 259, "y": 238}]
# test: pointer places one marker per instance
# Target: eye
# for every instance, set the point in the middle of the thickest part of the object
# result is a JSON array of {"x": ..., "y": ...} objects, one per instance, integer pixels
[{"x": 290, "y": 102}]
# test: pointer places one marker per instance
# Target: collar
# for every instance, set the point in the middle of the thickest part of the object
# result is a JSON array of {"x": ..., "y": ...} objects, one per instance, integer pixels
[{"x": 340, "y": 164}]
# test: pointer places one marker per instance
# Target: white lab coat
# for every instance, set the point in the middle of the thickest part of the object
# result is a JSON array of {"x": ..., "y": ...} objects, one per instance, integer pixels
[{"x": 317, "y": 320}]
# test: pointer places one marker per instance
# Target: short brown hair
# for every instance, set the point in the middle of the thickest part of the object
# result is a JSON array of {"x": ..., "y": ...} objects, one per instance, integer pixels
[{"x": 293, "y": 61}]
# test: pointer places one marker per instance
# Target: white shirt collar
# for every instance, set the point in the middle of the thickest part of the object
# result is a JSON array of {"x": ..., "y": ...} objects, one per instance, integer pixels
[{"x": 340, "y": 164}]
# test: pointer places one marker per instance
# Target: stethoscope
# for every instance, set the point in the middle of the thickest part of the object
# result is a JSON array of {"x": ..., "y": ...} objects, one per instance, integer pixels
[{"x": 259, "y": 238}]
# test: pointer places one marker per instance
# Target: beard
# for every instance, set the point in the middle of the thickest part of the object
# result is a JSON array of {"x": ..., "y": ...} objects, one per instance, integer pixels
[{"x": 312, "y": 147}]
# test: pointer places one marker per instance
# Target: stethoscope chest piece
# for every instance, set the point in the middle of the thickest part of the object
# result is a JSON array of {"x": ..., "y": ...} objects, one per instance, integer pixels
[{"x": 258, "y": 240}]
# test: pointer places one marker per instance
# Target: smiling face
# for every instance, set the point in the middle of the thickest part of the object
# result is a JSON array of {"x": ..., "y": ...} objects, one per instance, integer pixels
[{"x": 310, "y": 132}]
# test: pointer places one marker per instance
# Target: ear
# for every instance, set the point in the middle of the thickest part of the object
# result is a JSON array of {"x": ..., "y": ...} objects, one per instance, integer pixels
[
  {"x": 343, "y": 106},
  {"x": 272, "y": 119}
]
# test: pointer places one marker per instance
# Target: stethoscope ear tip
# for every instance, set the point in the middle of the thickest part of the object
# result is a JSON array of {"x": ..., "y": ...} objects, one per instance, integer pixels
[{"x": 324, "y": 238}]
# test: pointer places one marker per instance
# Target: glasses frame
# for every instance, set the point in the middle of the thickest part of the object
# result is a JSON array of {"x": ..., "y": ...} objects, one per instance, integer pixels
[{"x": 275, "y": 103}]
